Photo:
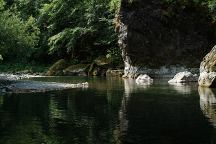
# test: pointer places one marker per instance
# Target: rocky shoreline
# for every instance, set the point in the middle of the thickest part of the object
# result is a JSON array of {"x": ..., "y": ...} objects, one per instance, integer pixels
[
  {"x": 18, "y": 83},
  {"x": 162, "y": 72}
]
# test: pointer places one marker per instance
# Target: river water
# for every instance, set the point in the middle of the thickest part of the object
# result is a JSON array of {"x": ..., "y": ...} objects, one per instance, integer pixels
[{"x": 110, "y": 111}]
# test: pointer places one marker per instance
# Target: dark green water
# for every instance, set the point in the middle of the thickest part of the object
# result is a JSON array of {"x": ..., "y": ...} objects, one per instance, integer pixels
[{"x": 110, "y": 111}]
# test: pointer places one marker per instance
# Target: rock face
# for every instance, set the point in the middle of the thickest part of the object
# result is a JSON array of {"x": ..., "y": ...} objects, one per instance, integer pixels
[
  {"x": 154, "y": 33},
  {"x": 144, "y": 80},
  {"x": 184, "y": 77},
  {"x": 208, "y": 70}
]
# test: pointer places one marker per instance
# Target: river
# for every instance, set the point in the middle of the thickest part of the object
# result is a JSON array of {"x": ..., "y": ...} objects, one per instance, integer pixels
[{"x": 110, "y": 111}]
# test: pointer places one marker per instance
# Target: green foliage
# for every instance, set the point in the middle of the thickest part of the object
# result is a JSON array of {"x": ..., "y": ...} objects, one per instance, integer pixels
[
  {"x": 13, "y": 67},
  {"x": 79, "y": 28},
  {"x": 17, "y": 37},
  {"x": 66, "y": 40},
  {"x": 2, "y": 3},
  {"x": 115, "y": 5}
]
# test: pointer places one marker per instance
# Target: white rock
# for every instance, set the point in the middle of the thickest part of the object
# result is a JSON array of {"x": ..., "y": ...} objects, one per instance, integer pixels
[
  {"x": 183, "y": 77},
  {"x": 208, "y": 70},
  {"x": 144, "y": 80},
  {"x": 207, "y": 79}
]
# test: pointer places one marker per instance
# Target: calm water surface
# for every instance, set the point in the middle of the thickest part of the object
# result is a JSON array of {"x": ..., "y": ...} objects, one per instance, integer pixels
[{"x": 110, "y": 111}]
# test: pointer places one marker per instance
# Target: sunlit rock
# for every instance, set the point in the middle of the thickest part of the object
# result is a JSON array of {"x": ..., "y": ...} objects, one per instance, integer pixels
[
  {"x": 183, "y": 77},
  {"x": 208, "y": 70},
  {"x": 208, "y": 103},
  {"x": 207, "y": 79},
  {"x": 144, "y": 80}
]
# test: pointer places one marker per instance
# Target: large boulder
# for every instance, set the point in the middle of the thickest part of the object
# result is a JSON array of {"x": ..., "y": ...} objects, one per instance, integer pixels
[
  {"x": 144, "y": 80},
  {"x": 57, "y": 68},
  {"x": 208, "y": 70},
  {"x": 157, "y": 33},
  {"x": 76, "y": 70},
  {"x": 103, "y": 61},
  {"x": 184, "y": 77},
  {"x": 100, "y": 66}
]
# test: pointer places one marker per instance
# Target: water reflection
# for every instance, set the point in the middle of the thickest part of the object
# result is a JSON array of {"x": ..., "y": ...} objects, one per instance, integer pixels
[
  {"x": 130, "y": 86},
  {"x": 182, "y": 88},
  {"x": 161, "y": 113},
  {"x": 208, "y": 103},
  {"x": 82, "y": 116},
  {"x": 110, "y": 111}
]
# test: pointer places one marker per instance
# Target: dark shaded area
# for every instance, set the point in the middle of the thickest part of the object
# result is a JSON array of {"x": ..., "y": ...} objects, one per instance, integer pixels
[
  {"x": 166, "y": 32},
  {"x": 166, "y": 119}
]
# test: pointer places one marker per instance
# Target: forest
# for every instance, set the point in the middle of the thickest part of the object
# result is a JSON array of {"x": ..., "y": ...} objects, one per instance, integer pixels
[{"x": 39, "y": 32}]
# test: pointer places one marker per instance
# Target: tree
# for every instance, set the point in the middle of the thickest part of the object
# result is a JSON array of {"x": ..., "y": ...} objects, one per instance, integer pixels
[
  {"x": 78, "y": 29},
  {"x": 17, "y": 37}
]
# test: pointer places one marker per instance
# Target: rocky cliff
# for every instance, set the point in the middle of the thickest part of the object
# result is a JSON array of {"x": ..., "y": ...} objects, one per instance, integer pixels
[
  {"x": 156, "y": 33},
  {"x": 207, "y": 76}
]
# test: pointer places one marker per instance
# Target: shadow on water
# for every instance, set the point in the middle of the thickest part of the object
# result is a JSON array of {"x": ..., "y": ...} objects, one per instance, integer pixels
[{"x": 110, "y": 111}]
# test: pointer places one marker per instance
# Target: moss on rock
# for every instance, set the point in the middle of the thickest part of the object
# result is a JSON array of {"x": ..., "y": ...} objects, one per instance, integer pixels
[
  {"x": 100, "y": 66},
  {"x": 74, "y": 70},
  {"x": 103, "y": 61},
  {"x": 57, "y": 68}
]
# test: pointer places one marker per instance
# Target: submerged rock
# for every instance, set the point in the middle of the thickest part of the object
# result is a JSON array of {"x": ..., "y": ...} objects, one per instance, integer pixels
[
  {"x": 184, "y": 77},
  {"x": 144, "y": 80},
  {"x": 208, "y": 70}
]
